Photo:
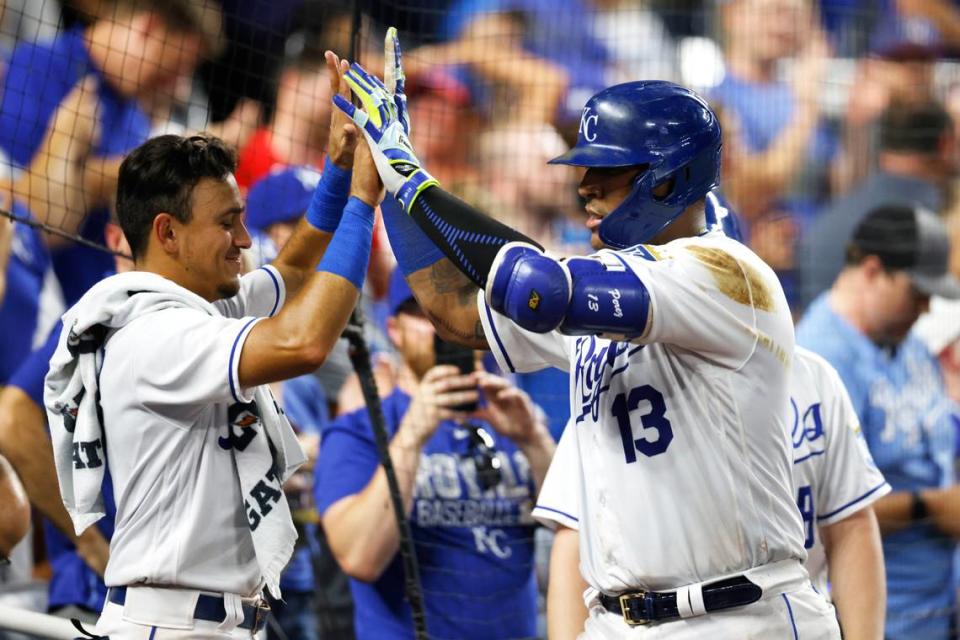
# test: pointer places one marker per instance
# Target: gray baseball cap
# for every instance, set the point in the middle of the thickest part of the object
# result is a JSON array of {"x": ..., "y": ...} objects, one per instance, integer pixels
[{"x": 910, "y": 239}]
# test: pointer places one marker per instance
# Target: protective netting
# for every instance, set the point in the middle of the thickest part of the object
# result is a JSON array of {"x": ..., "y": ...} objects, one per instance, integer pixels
[{"x": 828, "y": 109}]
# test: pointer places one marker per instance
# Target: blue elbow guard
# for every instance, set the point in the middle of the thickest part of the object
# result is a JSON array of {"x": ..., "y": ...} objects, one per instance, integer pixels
[
  {"x": 607, "y": 299},
  {"x": 528, "y": 287}
]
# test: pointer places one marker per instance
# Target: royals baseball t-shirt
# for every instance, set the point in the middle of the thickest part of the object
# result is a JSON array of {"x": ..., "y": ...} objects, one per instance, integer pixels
[{"x": 474, "y": 547}]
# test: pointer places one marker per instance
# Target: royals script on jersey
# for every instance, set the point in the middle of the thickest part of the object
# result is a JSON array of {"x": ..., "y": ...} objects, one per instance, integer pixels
[
  {"x": 682, "y": 436},
  {"x": 833, "y": 469}
]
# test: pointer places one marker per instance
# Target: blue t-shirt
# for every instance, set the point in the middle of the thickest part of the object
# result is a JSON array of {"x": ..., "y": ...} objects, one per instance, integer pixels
[
  {"x": 764, "y": 111},
  {"x": 905, "y": 415},
  {"x": 474, "y": 548},
  {"x": 38, "y": 76},
  {"x": 20, "y": 306},
  {"x": 72, "y": 581}
]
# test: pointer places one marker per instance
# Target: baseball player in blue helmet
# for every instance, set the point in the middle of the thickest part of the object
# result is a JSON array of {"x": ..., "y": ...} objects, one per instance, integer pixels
[
  {"x": 679, "y": 342},
  {"x": 662, "y": 134}
]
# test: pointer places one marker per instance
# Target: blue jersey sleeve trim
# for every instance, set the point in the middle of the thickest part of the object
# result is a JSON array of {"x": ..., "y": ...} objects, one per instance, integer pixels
[
  {"x": 558, "y": 511},
  {"x": 825, "y": 516},
  {"x": 233, "y": 351},
  {"x": 276, "y": 290},
  {"x": 496, "y": 336}
]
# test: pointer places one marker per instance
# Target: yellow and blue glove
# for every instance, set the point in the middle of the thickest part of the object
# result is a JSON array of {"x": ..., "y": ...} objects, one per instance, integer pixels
[{"x": 386, "y": 124}]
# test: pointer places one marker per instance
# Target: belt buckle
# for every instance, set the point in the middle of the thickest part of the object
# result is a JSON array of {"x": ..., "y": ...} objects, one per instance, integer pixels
[
  {"x": 625, "y": 609},
  {"x": 261, "y": 609}
]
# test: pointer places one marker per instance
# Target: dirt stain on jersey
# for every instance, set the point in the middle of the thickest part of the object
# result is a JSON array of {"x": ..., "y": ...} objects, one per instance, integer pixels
[{"x": 739, "y": 282}]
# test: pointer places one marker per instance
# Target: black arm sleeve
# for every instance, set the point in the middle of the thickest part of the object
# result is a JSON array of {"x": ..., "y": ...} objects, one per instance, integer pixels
[{"x": 469, "y": 238}]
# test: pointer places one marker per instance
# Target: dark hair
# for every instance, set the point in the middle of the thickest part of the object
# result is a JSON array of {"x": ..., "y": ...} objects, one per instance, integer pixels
[
  {"x": 914, "y": 128},
  {"x": 159, "y": 177}
]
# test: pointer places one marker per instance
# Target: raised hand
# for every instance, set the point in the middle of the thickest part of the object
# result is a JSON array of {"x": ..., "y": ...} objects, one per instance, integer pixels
[
  {"x": 343, "y": 134},
  {"x": 385, "y": 124},
  {"x": 442, "y": 388},
  {"x": 509, "y": 409}
]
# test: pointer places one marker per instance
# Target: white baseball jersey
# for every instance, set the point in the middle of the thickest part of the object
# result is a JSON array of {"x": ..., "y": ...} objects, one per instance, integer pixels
[
  {"x": 682, "y": 440},
  {"x": 833, "y": 470},
  {"x": 173, "y": 408}
]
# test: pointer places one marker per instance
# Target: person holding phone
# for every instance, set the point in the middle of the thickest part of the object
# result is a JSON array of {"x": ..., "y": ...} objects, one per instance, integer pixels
[{"x": 468, "y": 476}]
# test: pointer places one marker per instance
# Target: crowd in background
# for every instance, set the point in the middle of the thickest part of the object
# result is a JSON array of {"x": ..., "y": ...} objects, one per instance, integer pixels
[{"x": 830, "y": 109}]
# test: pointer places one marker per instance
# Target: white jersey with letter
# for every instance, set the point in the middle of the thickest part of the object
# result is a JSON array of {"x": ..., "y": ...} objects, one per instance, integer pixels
[
  {"x": 173, "y": 410},
  {"x": 685, "y": 463},
  {"x": 833, "y": 469}
]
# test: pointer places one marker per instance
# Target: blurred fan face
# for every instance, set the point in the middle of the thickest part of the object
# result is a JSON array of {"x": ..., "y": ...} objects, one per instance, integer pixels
[
  {"x": 893, "y": 304},
  {"x": 436, "y": 126},
  {"x": 148, "y": 56},
  {"x": 412, "y": 334},
  {"x": 280, "y": 232},
  {"x": 307, "y": 97},
  {"x": 769, "y": 29}
]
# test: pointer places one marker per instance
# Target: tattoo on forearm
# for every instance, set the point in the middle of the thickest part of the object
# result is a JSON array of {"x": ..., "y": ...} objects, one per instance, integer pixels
[
  {"x": 476, "y": 339},
  {"x": 447, "y": 279}
]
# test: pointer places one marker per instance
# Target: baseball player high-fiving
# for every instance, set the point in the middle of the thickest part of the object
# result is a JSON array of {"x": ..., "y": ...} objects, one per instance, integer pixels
[
  {"x": 160, "y": 375},
  {"x": 679, "y": 352}
]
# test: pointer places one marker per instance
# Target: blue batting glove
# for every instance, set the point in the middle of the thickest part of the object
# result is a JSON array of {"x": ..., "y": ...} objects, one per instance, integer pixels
[
  {"x": 386, "y": 125},
  {"x": 529, "y": 287}
]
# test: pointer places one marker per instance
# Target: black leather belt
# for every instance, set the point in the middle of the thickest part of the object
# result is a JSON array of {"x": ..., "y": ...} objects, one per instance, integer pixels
[
  {"x": 211, "y": 609},
  {"x": 644, "y": 607}
]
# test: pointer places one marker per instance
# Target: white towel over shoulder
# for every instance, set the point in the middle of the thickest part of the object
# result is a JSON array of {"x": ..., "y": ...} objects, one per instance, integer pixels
[{"x": 71, "y": 396}]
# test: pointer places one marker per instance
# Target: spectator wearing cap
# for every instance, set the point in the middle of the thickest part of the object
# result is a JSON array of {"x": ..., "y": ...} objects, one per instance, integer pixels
[
  {"x": 442, "y": 121},
  {"x": 897, "y": 258},
  {"x": 915, "y": 165},
  {"x": 467, "y": 480}
]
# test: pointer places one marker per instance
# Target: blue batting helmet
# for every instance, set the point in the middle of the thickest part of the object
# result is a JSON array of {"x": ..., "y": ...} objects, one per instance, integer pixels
[{"x": 663, "y": 126}]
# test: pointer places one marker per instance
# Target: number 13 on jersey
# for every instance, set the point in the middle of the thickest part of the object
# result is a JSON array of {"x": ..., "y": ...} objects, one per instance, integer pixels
[{"x": 656, "y": 430}]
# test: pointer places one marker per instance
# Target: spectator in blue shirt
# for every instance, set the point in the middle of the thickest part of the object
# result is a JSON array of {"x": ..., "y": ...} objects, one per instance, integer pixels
[
  {"x": 77, "y": 562},
  {"x": 786, "y": 149},
  {"x": 896, "y": 260},
  {"x": 23, "y": 274},
  {"x": 132, "y": 51},
  {"x": 467, "y": 482}
]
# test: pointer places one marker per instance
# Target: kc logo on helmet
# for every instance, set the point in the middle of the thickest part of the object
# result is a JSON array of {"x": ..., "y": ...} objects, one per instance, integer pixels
[{"x": 588, "y": 124}]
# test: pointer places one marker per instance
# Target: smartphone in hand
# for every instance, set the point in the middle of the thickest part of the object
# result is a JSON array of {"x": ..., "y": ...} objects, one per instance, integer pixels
[{"x": 459, "y": 356}]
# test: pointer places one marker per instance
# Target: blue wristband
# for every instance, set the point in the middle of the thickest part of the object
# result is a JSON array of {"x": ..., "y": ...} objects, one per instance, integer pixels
[
  {"x": 329, "y": 198},
  {"x": 348, "y": 253},
  {"x": 413, "y": 249}
]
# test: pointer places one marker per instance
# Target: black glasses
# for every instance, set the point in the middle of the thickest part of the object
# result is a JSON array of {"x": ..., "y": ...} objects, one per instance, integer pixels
[{"x": 483, "y": 451}]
